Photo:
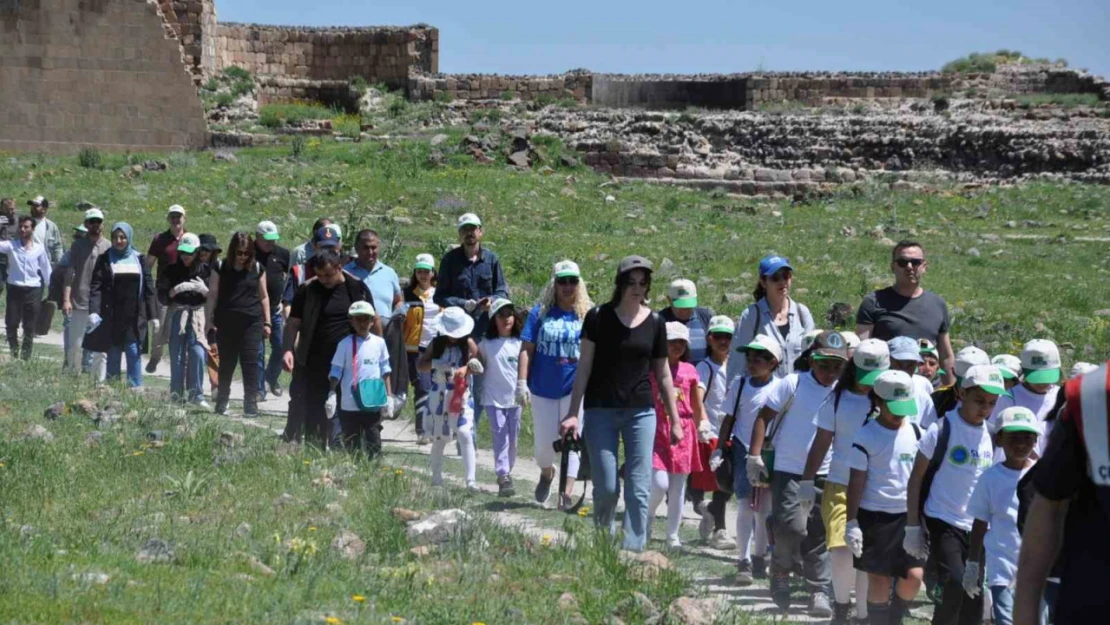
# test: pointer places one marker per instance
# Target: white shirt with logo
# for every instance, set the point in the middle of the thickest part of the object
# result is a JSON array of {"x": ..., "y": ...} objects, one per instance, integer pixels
[
  {"x": 970, "y": 453},
  {"x": 995, "y": 501},
  {"x": 711, "y": 373},
  {"x": 887, "y": 456},
  {"x": 373, "y": 364},
  {"x": 843, "y": 421},
  {"x": 751, "y": 402},
  {"x": 796, "y": 428},
  {"x": 501, "y": 357}
]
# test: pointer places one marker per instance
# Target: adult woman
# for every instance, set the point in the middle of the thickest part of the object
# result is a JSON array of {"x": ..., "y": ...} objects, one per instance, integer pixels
[
  {"x": 28, "y": 270},
  {"x": 548, "y": 362},
  {"x": 774, "y": 314},
  {"x": 421, "y": 317},
  {"x": 185, "y": 284},
  {"x": 622, "y": 344},
  {"x": 239, "y": 310},
  {"x": 121, "y": 300}
]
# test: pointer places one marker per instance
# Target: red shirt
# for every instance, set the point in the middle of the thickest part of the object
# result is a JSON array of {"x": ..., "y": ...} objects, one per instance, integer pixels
[{"x": 164, "y": 248}]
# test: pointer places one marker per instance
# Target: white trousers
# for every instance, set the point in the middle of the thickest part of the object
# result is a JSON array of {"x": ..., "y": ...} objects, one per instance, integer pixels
[
  {"x": 751, "y": 523},
  {"x": 673, "y": 487},
  {"x": 78, "y": 323},
  {"x": 546, "y": 415},
  {"x": 466, "y": 447}
]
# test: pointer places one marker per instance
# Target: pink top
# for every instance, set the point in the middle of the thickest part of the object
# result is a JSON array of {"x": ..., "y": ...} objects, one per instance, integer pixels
[{"x": 684, "y": 457}]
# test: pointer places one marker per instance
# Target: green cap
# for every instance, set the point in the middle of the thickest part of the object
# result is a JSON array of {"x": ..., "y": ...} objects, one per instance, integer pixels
[{"x": 986, "y": 377}]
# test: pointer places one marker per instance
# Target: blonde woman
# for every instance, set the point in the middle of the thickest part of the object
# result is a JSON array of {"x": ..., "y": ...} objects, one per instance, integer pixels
[{"x": 551, "y": 339}]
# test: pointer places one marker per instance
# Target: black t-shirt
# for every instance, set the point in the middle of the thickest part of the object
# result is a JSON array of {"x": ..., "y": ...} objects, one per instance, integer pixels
[
  {"x": 276, "y": 264},
  {"x": 892, "y": 314},
  {"x": 620, "y": 377},
  {"x": 1084, "y": 561},
  {"x": 332, "y": 325},
  {"x": 177, "y": 273},
  {"x": 238, "y": 290}
]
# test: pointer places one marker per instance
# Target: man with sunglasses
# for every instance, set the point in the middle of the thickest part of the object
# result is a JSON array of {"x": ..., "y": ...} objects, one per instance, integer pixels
[
  {"x": 907, "y": 309},
  {"x": 75, "y": 291},
  {"x": 163, "y": 251}
]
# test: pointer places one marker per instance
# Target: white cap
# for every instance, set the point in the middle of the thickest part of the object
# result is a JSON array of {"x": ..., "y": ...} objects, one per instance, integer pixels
[
  {"x": 807, "y": 340},
  {"x": 176, "y": 209},
  {"x": 721, "y": 323},
  {"x": 1018, "y": 419},
  {"x": 469, "y": 219},
  {"x": 1082, "y": 368},
  {"x": 871, "y": 358},
  {"x": 896, "y": 389},
  {"x": 188, "y": 244},
  {"x": 968, "y": 357},
  {"x": 677, "y": 332},
  {"x": 1041, "y": 361},
  {"x": 94, "y": 213},
  {"x": 904, "y": 348},
  {"x": 1009, "y": 364},
  {"x": 268, "y": 230},
  {"x": 683, "y": 294},
  {"x": 566, "y": 269},
  {"x": 851, "y": 339},
  {"x": 425, "y": 261},
  {"x": 35, "y": 201},
  {"x": 360, "y": 307},
  {"x": 455, "y": 323},
  {"x": 986, "y": 377},
  {"x": 498, "y": 304},
  {"x": 764, "y": 343}
]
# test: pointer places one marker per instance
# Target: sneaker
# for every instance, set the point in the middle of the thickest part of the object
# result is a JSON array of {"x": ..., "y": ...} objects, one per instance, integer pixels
[
  {"x": 543, "y": 489},
  {"x": 221, "y": 408},
  {"x": 673, "y": 542},
  {"x": 201, "y": 404},
  {"x": 423, "y": 440},
  {"x": 759, "y": 568},
  {"x": 744, "y": 573},
  {"x": 705, "y": 527},
  {"x": 842, "y": 614},
  {"x": 721, "y": 541},
  {"x": 275, "y": 389},
  {"x": 780, "y": 589},
  {"x": 472, "y": 487},
  {"x": 819, "y": 605},
  {"x": 505, "y": 486}
]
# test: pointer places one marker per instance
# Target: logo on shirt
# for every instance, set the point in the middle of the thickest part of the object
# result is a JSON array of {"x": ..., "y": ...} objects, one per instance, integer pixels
[
  {"x": 906, "y": 458},
  {"x": 961, "y": 456}
]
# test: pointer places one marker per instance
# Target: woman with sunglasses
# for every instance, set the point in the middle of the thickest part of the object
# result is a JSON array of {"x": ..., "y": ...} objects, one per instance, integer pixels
[
  {"x": 551, "y": 337},
  {"x": 239, "y": 310},
  {"x": 774, "y": 314}
]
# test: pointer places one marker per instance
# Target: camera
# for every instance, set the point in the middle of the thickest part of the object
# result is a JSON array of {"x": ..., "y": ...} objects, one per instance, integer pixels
[{"x": 568, "y": 443}]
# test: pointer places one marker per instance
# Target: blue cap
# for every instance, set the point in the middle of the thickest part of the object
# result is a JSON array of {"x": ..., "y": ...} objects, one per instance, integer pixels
[
  {"x": 904, "y": 348},
  {"x": 770, "y": 264},
  {"x": 326, "y": 237}
]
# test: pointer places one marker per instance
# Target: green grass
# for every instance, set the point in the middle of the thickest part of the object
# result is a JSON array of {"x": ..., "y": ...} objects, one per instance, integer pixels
[
  {"x": 987, "y": 62},
  {"x": 281, "y": 114}
]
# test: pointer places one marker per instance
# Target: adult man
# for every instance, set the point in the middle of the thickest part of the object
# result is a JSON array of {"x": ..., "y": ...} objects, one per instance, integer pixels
[
  {"x": 385, "y": 290},
  {"x": 8, "y": 231},
  {"x": 906, "y": 309},
  {"x": 683, "y": 296},
  {"x": 470, "y": 277},
  {"x": 75, "y": 291},
  {"x": 275, "y": 261},
  {"x": 47, "y": 233},
  {"x": 163, "y": 251},
  {"x": 327, "y": 237},
  {"x": 300, "y": 254}
]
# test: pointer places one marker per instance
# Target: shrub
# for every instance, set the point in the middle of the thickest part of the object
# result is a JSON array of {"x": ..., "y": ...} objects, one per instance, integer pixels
[
  {"x": 237, "y": 73},
  {"x": 296, "y": 146},
  {"x": 507, "y": 95},
  {"x": 224, "y": 99},
  {"x": 89, "y": 158},
  {"x": 397, "y": 107},
  {"x": 348, "y": 125},
  {"x": 359, "y": 84},
  {"x": 987, "y": 62},
  {"x": 443, "y": 97},
  {"x": 275, "y": 115}
]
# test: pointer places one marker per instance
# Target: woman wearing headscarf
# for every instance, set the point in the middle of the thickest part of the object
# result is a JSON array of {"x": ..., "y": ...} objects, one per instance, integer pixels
[{"x": 121, "y": 301}]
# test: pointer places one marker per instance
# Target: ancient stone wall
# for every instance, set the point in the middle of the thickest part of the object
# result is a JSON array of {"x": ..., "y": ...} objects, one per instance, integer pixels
[
  {"x": 429, "y": 86},
  {"x": 718, "y": 92},
  {"x": 1025, "y": 79},
  {"x": 102, "y": 73},
  {"x": 334, "y": 93},
  {"x": 194, "y": 23},
  {"x": 383, "y": 55}
]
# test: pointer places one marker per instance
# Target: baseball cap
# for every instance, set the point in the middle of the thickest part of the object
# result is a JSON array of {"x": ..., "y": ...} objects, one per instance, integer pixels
[
  {"x": 176, "y": 209},
  {"x": 80, "y": 228},
  {"x": 268, "y": 230},
  {"x": 807, "y": 340},
  {"x": 764, "y": 343},
  {"x": 209, "y": 242},
  {"x": 986, "y": 377},
  {"x": 469, "y": 219},
  {"x": 1041, "y": 362},
  {"x": 968, "y": 357},
  {"x": 326, "y": 237},
  {"x": 928, "y": 347},
  {"x": 188, "y": 244},
  {"x": 683, "y": 294},
  {"x": 37, "y": 201},
  {"x": 872, "y": 358},
  {"x": 677, "y": 332},
  {"x": 1082, "y": 368},
  {"x": 772, "y": 263},
  {"x": 360, "y": 308},
  {"x": 94, "y": 213},
  {"x": 566, "y": 269},
  {"x": 851, "y": 338},
  {"x": 497, "y": 305},
  {"x": 425, "y": 261},
  {"x": 1018, "y": 419},
  {"x": 830, "y": 345},
  {"x": 1009, "y": 365},
  {"x": 904, "y": 348},
  {"x": 628, "y": 263},
  {"x": 896, "y": 389},
  {"x": 721, "y": 323}
]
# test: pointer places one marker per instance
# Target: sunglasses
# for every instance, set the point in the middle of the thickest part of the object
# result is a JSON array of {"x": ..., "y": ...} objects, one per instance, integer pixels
[
  {"x": 906, "y": 262},
  {"x": 566, "y": 281}
]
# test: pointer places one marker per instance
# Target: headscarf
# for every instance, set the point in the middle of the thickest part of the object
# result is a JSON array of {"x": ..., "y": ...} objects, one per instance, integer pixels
[{"x": 115, "y": 255}]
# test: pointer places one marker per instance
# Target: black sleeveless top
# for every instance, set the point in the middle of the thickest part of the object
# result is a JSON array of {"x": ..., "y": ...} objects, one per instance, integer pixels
[{"x": 238, "y": 290}]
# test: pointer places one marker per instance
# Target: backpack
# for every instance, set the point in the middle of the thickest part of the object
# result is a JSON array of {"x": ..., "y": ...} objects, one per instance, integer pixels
[{"x": 724, "y": 472}]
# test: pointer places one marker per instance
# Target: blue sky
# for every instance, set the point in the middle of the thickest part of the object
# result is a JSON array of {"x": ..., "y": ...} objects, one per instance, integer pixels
[{"x": 529, "y": 37}]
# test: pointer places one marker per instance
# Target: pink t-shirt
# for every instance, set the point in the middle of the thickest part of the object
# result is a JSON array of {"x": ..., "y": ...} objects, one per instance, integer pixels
[{"x": 681, "y": 458}]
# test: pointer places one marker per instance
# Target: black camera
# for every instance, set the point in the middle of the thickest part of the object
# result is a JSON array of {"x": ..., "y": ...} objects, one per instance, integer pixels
[{"x": 568, "y": 443}]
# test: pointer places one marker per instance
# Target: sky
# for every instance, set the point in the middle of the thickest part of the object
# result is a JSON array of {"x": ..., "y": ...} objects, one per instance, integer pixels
[{"x": 716, "y": 36}]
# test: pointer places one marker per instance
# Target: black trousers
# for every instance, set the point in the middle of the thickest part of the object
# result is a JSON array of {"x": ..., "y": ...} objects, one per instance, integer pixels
[
  {"x": 419, "y": 393},
  {"x": 239, "y": 339},
  {"x": 308, "y": 391},
  {"x": 22, "y": 308},
  {"x": 716, "y": 505},
  {"x": 362, "y": 431},
  {"x": 948, "y": 547}
]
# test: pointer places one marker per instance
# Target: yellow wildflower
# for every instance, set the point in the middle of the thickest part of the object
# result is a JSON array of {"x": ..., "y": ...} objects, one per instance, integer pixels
[
  {"x": 332, "y": 620},
  {"x": 358, "y": 598},
  {"x": 1, "y": 465},
  {"x": 307, "y": 462},
  {"x": 397, "y": 619},
  {"x": 312, "y": 528},
  {"x": 136, "y": 453},
  {"x": 583, "y": 511},
  {"x": 546, "y": 540},
  {"x": 398, "y": 472}
]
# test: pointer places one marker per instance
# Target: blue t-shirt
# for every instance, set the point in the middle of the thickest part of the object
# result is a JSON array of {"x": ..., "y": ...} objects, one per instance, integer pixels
[
  {"x": 383, "y": 284},
  {"x": 558, "y": 339}
]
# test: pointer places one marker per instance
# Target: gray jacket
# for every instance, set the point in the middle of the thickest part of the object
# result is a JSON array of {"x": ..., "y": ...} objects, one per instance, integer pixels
[
  {"x": 49, "y": 236},
  {"x": 757, "y": 319}
]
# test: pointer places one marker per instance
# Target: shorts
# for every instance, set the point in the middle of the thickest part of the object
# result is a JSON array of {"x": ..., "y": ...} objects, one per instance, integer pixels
[
  {"x": 834, "y": 513},
  {"x": 883, "y": 533}
]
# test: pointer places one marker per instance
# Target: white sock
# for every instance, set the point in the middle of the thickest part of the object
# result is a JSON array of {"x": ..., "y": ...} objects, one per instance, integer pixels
[
  {"x": 862, "y": 584},
  {"x": 745, "y": 520},
  {"x": 466, "y": 442},
  {"x": 676, "y": 500},
  {"x": 843, "y": 574}
]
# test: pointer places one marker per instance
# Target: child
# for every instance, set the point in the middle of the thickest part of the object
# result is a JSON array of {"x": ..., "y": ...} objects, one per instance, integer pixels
[
  {"x": 452, "y": 356},
  {"x": 421, "y": 313},
  {"x": 838, "y": 420},
  {"x": 882, "y": 459},
  {"x": 1010, "y": 366},
  {"x": 360, "y": 370},
  {"x": 994, "y": 505},
  {"x": 672, "y": 464},
  {"x": 746, "y": 397},
  {"x": 930, "y": 363},
  {"x": 713, "y": 378},
  {"x": 500, "y": 356},
  {"x": 947, "y": 398},
  {"x": 941, "y": 498},
  {"x": 906, "y": 357},
  {"x": 1040, "y": 367}
]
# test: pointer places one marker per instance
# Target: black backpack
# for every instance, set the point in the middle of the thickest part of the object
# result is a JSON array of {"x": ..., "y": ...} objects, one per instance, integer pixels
[{"x": 934, "y": 465}]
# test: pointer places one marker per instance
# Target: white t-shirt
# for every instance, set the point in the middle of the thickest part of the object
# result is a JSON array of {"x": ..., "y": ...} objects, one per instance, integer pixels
[
  {"x": 926, "y": 409},
  {"x": 888, "y": 456},
  {"x": 501, "y": 357},
  {"x": 710, "y": 372},
  {"x": 430, "y": 327},
  {"x": 970, "y": 453},
  {"x": 799, "y": 425},
  {"x": 843, "y": 421},
  {"x": 373, "y": 364},
  {"x": 752, "y": 401},
  {"x": 1040, "y": 405},
  {"x": 995, "y": 501}
]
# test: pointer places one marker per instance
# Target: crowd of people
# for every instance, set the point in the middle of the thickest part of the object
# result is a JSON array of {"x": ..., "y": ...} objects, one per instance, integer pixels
[{"x": 867, "y": 463}]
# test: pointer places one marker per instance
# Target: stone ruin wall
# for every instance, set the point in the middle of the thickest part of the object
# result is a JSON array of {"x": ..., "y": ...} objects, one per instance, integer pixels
[
  {"x": 431, "y": 86},
  {"x": 108, "y": 74},
  {"x": 194, "y": 23}
]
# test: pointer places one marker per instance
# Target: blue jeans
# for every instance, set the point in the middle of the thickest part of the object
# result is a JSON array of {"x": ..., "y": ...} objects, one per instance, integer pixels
[
  {"x": 268, "y": 374},
  {"x": 134, "y": 367},
  {"x": 187, "y": 360},
  {"x": 603, "y": 430},
  {"x": 1003, "y": 605}
]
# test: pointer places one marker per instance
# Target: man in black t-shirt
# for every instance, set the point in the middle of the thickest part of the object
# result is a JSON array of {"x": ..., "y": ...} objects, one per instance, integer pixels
[
  {"x": 275, "y": 262},
  {"x": 907, "y": 309}
]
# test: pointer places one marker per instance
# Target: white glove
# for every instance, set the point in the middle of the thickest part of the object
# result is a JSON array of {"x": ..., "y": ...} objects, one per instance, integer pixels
[
  {"x": 470, "y": 305},
  {"x": 155, "y": 325},
  {"x": 201, "y": 287},
  {"x": 853, "y": 535},
  {"x": 523, "y": 395},
  {"x": 705, "y": 432},
  {"x": 329, "y": 405},
  {"x": 914, "y": 542},
  {"x": 475, "y": 366},
  {"x": 971, "y": 579},
  {"x": 807, "y": 495},
  {"x": 755, "y": 469},
  {"x": 181, "y": 288},
  {"x": 716, "y": 459},
  {"x": 94, "y": 321},
  {"x": 387, "y": 409}
]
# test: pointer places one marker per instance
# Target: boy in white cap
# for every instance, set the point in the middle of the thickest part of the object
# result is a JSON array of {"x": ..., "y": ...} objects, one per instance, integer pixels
[
  {"x": 1010, "y": 366},
  {"x": 905, "y": 356},
  {"x": 683, "y": 297},
  {"x": 940, "y": 490},
  {"x": 947, "y": 398},
  {"x": 359, "y": 379},
  {"x": 994, "y": 505},
  {"x": 712, "y": 379},
  {"x": 1040, "y": 366}
]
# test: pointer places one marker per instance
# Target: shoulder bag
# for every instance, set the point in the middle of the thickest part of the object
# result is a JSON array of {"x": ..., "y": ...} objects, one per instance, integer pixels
[
  {"x": 768, "y": 451},
  {"x": 369, "y": 394}
]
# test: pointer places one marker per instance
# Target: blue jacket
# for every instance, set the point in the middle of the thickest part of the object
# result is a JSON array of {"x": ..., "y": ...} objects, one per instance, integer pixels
[{"x": 459, "y": 280}]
